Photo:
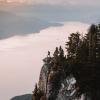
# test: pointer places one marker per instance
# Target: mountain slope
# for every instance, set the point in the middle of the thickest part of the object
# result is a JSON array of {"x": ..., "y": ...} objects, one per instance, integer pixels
[
  {"x": 23, "y": 97},
  {"x": 12, "y": 24}
]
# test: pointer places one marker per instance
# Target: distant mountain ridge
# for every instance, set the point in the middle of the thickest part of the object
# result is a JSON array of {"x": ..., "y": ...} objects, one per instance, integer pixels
[
  {"x": 23, "y": 97},
  {"x": 12, "y": 24}
]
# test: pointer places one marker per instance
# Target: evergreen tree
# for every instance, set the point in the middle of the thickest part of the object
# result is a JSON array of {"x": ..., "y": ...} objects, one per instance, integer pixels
[
  {"x": 78, "y": 48},
  {"x": 55, "y": 59},
  {"x": 56, "y": 52},
  {"x": 61, "y": 52},
  {"x": 35, "y": 90},
  {"x": 72, "y": 45},
  {"x": 92, "y": 32}
]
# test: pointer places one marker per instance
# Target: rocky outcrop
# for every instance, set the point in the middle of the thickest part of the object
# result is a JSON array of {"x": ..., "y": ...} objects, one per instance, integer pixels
[
  {"x": 55, "y": 83},
  {"x": 44, "y": 74},
  {"x": 59, "y": 82}
]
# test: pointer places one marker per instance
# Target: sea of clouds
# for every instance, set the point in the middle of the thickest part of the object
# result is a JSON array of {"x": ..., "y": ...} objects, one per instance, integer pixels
[{"x": 21, "y": 57}]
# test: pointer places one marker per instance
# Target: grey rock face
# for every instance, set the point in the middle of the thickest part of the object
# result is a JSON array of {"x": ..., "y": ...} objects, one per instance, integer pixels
[
  {"x": 44, "y": 74},
  {"x": 56, "y": 85}
]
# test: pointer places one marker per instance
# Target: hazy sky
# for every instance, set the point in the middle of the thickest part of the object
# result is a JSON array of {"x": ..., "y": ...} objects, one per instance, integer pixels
[{"x": 21, "y": 51}]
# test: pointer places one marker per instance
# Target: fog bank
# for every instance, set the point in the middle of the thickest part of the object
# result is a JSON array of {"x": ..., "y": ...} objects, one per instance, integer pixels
[{"x": 21, "y": 57}]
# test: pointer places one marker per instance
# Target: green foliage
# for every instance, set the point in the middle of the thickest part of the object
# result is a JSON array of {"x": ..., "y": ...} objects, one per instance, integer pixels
[
  {"x": 59, "y": 64},
  {"x": 37, "y": 93},
  {"x": 43, "y": 98},
  {"x": 59, "y": 58},
  {"x": 94, "y": 34},
  {"x": 61, "y": 53},
  {"x": 92, "y": 29},
  {"x": 73, "y": 46}
]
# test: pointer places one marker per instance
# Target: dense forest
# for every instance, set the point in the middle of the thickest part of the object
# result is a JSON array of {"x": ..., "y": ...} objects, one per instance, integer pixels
[{"x": 81, "y": 62}]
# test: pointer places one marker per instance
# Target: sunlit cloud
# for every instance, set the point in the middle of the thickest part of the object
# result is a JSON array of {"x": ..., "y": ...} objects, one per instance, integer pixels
[
  {"x": 16, "y": 1},
  {"x": 57, "y": 2}
]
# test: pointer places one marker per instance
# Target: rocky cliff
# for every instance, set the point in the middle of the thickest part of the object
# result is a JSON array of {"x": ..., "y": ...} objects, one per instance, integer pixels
[
  {"x": 55, "y": 82},
  {"x": 60, "y": 80}
]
